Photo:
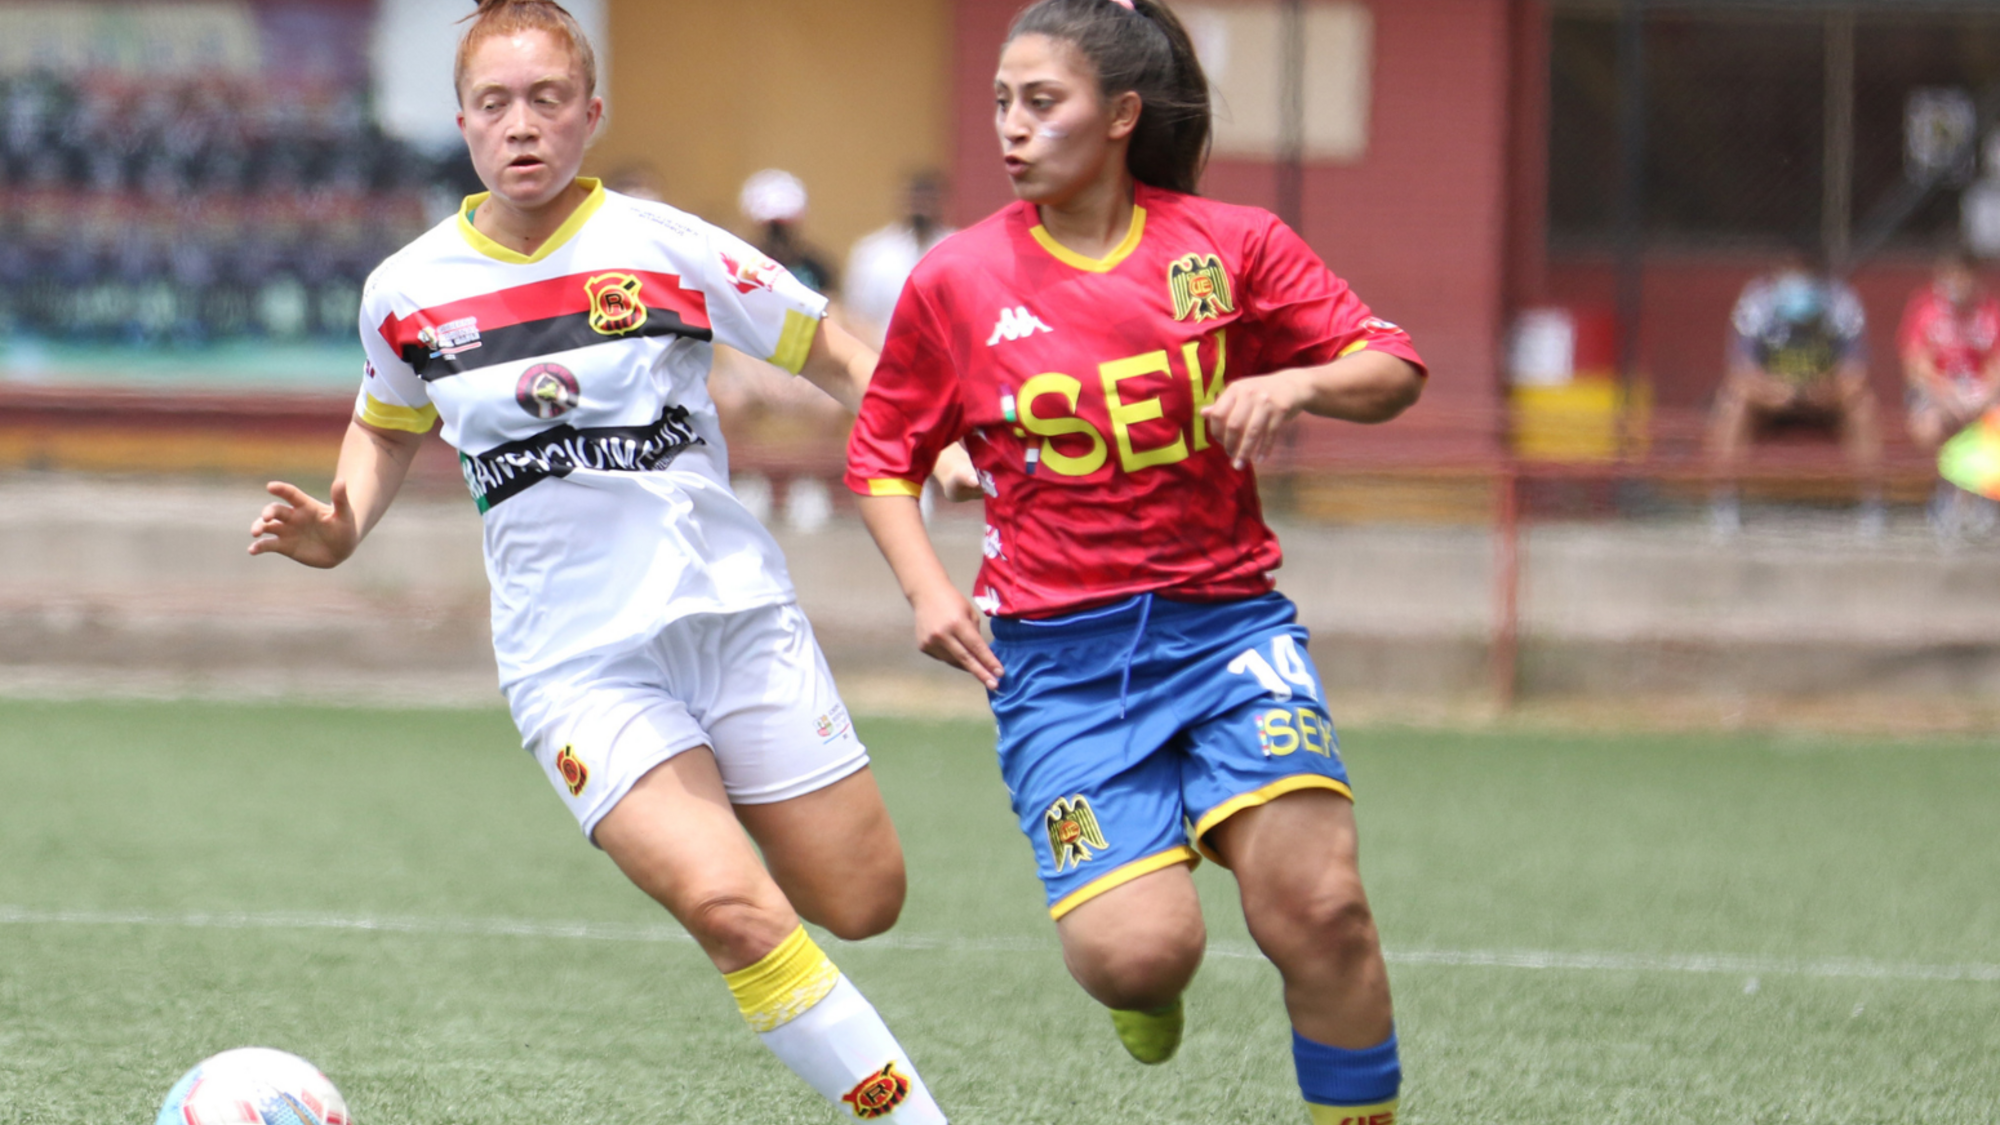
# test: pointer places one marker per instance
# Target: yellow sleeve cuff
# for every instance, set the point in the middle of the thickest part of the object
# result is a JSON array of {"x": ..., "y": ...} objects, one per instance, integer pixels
[
  {"x": 796, "y": 341},
  {"x": 894, "y": 487},
  {"x": 410, "y": 419},
  {"x": 1356, "y": 346}
]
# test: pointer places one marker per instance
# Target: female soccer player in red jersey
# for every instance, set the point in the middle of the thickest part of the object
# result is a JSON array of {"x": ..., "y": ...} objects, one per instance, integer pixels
[
  {"x": 1115, "y": 352},
  {"x": 649, "y": 644}
]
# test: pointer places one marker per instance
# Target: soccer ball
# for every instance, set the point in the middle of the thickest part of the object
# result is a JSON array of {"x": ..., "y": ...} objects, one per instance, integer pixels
[{"x": 253, "y": 1086}]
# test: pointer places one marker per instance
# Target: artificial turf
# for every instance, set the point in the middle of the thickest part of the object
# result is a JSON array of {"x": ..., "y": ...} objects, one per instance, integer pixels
[{"x": 1727, "y": 928}]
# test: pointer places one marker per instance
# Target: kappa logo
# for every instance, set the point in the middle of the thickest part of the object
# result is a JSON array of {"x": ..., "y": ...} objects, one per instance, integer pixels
[
  {"x": 879, "y": 1094},
  {"x": 1073, "y": 831},
  {"x": 754, "y": 272},
  {"x": 1200, "y": 288},
  {"x": 989, "y": 543},
  {"x": 988, "y": 601},
  {"x": 574, "y": 774},
  {"x": 449, "y": 339},
  {"x": 1015, "y": 324},
  {"x": 615, "y": 305},
  {"x": 548, "y": 390}
]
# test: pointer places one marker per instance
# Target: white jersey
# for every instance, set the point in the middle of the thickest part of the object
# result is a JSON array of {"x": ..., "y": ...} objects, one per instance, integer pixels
[{"x": 573, "y": 382}]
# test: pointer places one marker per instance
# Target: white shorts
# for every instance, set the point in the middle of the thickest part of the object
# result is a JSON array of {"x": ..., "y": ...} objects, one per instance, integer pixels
[{"x": 752, "y": 686}]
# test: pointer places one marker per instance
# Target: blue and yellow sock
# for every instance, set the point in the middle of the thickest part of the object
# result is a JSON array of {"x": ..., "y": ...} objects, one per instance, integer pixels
[{"x": 1345, "y": 1087}]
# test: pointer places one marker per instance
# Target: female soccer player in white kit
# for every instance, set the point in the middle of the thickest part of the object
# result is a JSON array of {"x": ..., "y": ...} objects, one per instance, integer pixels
[{"x": 644, "y": 623}]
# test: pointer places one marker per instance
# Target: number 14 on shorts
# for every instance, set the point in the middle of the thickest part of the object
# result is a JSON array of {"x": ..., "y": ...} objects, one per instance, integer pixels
[
  {"x": 1282, "y": 731},
  {"x": 1283, "y": 672}
]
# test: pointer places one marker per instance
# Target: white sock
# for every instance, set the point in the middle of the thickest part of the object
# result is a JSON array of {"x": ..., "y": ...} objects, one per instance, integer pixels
[
  {"x": 841, "y": 1047},
  {"x": 820, "y": 1025}
]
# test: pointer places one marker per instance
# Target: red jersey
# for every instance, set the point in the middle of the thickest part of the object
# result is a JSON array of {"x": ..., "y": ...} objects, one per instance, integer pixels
[
  {"x": 1077, "y": 384},
  {"x": 1958, "y": 346}
]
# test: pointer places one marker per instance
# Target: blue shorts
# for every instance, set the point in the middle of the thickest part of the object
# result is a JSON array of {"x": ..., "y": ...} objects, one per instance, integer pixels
[{"x": 1128, "y": 732}]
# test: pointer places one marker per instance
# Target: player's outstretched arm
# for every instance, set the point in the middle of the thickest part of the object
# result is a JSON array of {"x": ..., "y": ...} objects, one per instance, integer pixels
[
  {"x": 373, "y": 463},
  {"x": 947, "y": 624},
  {"x": 1364, "y": 387},
  {"x": 839, "y": 364}
]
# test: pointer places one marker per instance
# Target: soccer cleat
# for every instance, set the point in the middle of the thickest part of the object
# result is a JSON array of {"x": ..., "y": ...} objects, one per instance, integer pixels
[{"x": 1151, "y": 1037}]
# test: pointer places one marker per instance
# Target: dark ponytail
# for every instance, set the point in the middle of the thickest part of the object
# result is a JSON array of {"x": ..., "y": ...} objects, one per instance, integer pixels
[{"x": 1143, "y": 49}]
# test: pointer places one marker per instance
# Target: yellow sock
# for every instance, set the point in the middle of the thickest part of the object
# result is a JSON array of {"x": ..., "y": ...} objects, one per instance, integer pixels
[
  {"x": 781, "y": 987},
  {"x": 1381, "y": 1113}
]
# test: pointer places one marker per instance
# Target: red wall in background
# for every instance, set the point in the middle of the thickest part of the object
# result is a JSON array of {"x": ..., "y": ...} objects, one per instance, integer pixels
[{"x": 1417, "y": 226}]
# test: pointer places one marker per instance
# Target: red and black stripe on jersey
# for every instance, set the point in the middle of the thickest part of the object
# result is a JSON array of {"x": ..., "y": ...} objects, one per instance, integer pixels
[{"x": 542, "y": 318}]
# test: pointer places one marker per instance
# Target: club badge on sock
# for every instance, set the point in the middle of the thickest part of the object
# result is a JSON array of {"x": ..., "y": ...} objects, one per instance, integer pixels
[{"x": 879, "y": 1094}]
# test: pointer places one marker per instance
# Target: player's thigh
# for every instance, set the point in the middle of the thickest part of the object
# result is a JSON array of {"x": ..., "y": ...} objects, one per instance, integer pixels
[
  {"x": 797, "y": 773},
  {"x": 835, "y": 854},
  {"x": 1294, "y": 856},
  {"x": 676, "y": 836},
  {"x": 1142, "y": 938},
  {"x": 1265, "y": 774}
]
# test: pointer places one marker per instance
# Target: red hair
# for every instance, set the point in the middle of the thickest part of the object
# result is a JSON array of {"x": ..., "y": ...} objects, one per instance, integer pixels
[{"x": 510, "y": 17}]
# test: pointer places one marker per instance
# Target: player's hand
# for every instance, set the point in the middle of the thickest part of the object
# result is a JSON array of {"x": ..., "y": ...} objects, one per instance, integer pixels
[
  {"x": 303, "y": 529},
  {"x": 956, "y": 477},
  {"x": 1248, "y": 416},
  {"x": 948, "y": 631}
]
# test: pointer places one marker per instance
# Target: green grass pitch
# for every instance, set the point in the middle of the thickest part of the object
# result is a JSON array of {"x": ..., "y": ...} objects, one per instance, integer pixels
[{"x": 1586, "y": 929}]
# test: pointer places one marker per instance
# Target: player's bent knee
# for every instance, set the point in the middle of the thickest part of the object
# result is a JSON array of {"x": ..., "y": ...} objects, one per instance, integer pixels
[
  {"x": 1137, "y": 972},
  {"x": 859, "y": 916},
  {"x": 736, "y": 928},
  {"x": 1335, "y": 925}
]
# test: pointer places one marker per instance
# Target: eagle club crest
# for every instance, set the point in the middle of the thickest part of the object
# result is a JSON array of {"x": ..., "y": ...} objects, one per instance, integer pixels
[
  {"x": 879, "y": 1094},
  {"x": 1200, "y": 287},
  {"x": 615, "y": 307},
  {"x": 1073, "y": 831},
  {"x": 574, "y": 775}
]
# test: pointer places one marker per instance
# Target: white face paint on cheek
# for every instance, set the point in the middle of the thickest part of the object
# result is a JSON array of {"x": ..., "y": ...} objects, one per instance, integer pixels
[{"x": 1051, "y": 133}]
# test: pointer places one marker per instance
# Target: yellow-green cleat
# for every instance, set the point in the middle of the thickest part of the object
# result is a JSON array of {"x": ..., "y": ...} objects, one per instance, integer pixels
[{"x": 1152, "y": 1037}]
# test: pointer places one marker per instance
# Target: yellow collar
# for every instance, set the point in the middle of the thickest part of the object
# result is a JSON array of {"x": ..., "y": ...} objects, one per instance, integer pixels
[
  {"x": 563, "y": 233},
  {"x": 1105, "y": 264}
]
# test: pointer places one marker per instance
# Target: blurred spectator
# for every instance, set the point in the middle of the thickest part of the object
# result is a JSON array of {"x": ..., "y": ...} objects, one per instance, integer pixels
[
  {"x": 1798, "y": 358},
  {"x": 880, "y": 262},
  {"x": 1950, "y": 346},
  {"x": 196, "y": 210},
  {"x": 775, "y": 201}
]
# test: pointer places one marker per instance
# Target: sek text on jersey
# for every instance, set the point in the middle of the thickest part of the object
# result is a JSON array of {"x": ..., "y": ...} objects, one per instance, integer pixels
[{"x": 1073, "y": 446}]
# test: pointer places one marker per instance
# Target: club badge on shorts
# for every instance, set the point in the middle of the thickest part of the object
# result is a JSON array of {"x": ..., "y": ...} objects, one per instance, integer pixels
[
  {"x": 879, "y": 1094},
  {"x": 1201, "y": 288},
  {"x": 575, "y": 774},
  {"x": 1073, "y": 831}
]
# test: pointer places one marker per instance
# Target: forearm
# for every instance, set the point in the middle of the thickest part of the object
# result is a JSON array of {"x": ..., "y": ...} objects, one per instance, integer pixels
[
  {"x": 897, "y": 524},
  {"x": 373, "y": 466},
  {"x": 839, "y": 364},
  {"x": 1368, "y": 386}
]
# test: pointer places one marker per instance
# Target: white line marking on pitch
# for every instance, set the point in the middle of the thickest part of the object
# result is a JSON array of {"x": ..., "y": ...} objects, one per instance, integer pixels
[{"x": 1726, "y": 964}]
